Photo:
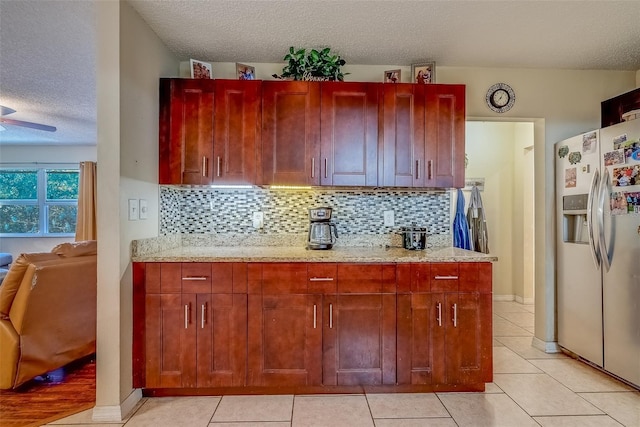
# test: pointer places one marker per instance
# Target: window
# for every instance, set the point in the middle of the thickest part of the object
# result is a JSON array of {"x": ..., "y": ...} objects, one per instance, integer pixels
[{"x": 38, "y": 202}]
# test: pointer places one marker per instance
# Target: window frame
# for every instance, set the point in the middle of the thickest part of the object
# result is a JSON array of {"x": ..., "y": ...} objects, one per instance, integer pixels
[{"x": 42, "y": 202}]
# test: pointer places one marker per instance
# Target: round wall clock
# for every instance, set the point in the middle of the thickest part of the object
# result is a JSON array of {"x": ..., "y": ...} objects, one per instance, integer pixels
[{"x": 500, "y": 97}]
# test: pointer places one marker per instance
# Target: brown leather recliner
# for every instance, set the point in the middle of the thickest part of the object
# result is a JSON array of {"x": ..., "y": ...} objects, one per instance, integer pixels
[{"x": 47, "y": 312}]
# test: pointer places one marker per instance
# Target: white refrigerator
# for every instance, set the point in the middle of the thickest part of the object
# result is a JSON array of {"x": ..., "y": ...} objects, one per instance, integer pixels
[{"x": 598, "y": 248}]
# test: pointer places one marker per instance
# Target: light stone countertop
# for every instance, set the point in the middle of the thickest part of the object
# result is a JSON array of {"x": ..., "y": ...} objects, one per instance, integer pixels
[{"x": 300, "y": 254}]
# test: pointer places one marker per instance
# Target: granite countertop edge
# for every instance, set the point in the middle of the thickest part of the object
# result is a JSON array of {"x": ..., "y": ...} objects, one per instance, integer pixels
[{"x": 297, "y": 254}]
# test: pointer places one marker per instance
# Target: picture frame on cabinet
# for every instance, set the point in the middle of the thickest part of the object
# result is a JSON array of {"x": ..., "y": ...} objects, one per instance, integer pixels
[
  {"x": 200, "y": 70},
  {"x": 423, "y": 73},
  {"x": 245, "y": 72},
  {"x": 392, "y": 76}
]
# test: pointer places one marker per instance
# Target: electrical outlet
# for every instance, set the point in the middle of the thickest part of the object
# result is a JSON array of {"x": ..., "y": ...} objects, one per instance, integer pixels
[
  {"x": 144, "y": 209},
  {"x": 389, "y": 220},
  {"x": 258, "y": 220}
]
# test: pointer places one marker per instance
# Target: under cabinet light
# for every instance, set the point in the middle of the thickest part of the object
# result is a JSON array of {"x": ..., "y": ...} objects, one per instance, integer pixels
[{"x": 230, "y": 187}]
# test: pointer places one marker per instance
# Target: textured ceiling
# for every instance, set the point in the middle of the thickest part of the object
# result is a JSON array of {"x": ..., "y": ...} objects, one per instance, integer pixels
[{"x": 47, "y": 48}]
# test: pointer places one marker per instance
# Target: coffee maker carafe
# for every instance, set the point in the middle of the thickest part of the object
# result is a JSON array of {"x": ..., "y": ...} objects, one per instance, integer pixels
[{"x": 322, "y": 232}]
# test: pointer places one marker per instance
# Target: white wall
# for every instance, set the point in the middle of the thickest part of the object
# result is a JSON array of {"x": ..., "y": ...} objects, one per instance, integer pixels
[
  {"x": 132, "y": 60},
  {"x": 40, "y": 156}
]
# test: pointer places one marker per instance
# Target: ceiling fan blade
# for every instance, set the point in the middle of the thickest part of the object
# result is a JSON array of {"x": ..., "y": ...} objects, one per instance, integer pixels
[
  {"x": 28, "y": 124},
  {"x": 6, "y": 110}
]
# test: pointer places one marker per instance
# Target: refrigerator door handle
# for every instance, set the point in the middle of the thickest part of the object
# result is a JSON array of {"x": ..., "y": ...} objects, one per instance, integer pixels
[
  {"x": 593, "y": 245},
  {"x": 605, "y": 190}
]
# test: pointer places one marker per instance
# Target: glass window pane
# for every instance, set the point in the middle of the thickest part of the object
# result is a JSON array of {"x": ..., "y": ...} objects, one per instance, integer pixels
[
  {"x": 62, "y": 218},
  {"x": 18, "y": 184},
  {"x": 19, "y": 219},
  {"x": 62, "y": 184}
]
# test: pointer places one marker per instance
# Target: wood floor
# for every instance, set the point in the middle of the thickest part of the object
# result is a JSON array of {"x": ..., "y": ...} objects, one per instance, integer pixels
[{"x": 37, "y": 402}]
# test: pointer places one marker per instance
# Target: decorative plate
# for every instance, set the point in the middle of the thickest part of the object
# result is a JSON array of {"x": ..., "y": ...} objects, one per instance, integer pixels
[
  {"x": 575, "y": 157},
  {"x": 563, "y": 151}
]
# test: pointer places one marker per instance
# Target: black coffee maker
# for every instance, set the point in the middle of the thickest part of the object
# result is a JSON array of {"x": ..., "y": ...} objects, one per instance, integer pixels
[{"x": 322, "y": 232}]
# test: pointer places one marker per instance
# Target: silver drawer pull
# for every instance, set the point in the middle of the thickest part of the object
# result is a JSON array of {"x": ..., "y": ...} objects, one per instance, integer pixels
[
  {"x": 315, "y": 314},
  {"x": 198, "y": 278},
  {"x": 446, "y": 277},
  {"x": 186, "y": 316},
  {"x": 330, "y": 316},
  {"x": 321, "y": 279},
  {"x": 455, "y": 315},
  {"x": 202, "y": 315}
]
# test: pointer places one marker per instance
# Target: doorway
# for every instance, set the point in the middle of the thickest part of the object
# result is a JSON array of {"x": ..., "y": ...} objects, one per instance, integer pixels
[{"x": 501, "y": 155}]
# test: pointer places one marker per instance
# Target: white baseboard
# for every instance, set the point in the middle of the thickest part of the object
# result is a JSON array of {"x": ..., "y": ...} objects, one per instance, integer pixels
[
  {"x": 546, "y": 346},
  {"x": 523, "y": 300},
  {"x": 515, "y": 298},
  {"x": 504, "y": 297},
  {"x": 117, "y": 413}
]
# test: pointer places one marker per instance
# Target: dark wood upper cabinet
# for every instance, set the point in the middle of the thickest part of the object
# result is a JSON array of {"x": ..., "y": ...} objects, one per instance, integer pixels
[
  {"x": 186, "y": 131},
  {"x": 444, "y": 135},
  {"x": 209, "y": 131},
  {"x": 311, "y": 133},
  {"x": 402, "y": 160},
  {"x": 290, "y": 133},
  {"x": 349, "y": 134},
  {"x": 237, "y": 131}
]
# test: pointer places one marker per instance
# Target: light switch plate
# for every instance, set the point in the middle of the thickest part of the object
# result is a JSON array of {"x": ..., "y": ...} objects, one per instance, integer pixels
[
  {"x": 144, "y": 209},
  {"x": 133, "y": 209}
]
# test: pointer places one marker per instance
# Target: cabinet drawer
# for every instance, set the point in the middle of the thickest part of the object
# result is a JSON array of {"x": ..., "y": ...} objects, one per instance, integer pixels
[
  {"x": 475, "y": 277},
  {"x": 322, "y": 277},
  {"x": 366, "y": 278},
  {"x": 284, "y": 278},
  {"x": 196, "y": 278},
  {"x": 444, "y": 277}
]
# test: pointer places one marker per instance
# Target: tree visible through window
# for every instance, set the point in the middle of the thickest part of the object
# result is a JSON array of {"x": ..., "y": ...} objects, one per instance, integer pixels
[{"x": 38, "y": 202}]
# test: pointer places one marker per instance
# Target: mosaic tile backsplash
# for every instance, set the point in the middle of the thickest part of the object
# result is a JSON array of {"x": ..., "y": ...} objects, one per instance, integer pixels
[{"x": 198, "y": 210}]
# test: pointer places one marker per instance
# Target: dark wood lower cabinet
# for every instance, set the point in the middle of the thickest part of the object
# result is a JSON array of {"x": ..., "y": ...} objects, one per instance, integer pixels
[
  {"x": 297, "y": 327},
  {"x": 285, "y": 340},
  {"x": 359, "y": 345}
]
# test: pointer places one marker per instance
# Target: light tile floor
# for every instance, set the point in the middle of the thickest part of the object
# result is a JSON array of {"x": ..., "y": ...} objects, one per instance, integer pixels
[{"x": 530, "y": 388}]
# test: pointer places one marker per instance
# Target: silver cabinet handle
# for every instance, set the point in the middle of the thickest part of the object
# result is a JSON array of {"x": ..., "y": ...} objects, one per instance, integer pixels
[
  {"x": 321, "y": 279},
  {"x": 204, "y": 166},
  {"x": 325, "y": 167},
  {"x": 195, "y": 278},
  {"x": 315, "y": 315},
  {"x": 202, "y": 315},
  {"x": 330, "y": 316},
  {"x": 418, "y": 169},
  {"x": 439, "y": 318},
  {"x": 218, "y": 172},
  {"x": 455, "y": 315},
  {"x": 446, "y": 277},
  {"x": 186, "y": 316},
  {"x": 313, "y": 167},
  {"x": 429, "y": 165}
]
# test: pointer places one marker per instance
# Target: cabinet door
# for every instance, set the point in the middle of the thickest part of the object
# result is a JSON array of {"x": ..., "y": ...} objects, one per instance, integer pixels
[
  {"x": 290, "y": 133},
  {"x": 186, "y": 131},
  {"x": 467, "y": 338},
  {"x": 445, "y": 117},
  {"x": 221, "y": 340},
  {"x": 349, "y": 134},
  {"x": 403, "y": 141},
  {"x": 285, "y": 340},
  {"x": 237, "y": 131},
  {"x": 359, "y": 340},
  {"x": 170, "y": 326},
  {"x": 418, "y": 319}
]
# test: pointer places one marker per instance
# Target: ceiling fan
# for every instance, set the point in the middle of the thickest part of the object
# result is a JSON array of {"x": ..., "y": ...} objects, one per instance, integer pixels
[{"x": 4, "y": 111}]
